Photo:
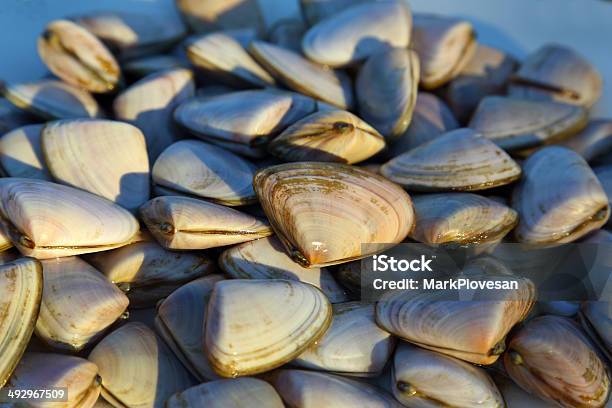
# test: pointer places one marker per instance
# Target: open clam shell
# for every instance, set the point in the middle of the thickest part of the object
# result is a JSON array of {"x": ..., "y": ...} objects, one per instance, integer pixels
[
  {"x": 213, "y": 15},
  {"x": 486, "y": 73},
  {"x": 353, "y": 345},
  {"x": 78, "y": 304},
  {"x": 44, "y": 371},
  {"x": 459, "y": 160},
  {"x": 48, "y": 220},
  {"x": 51, "y": 99},
  {"x": 229, "y": 393},
  {"x": 444, "y": 45},
  {"x": 431, "y": 118},
  {"x": 78, "y": 57},
  {"x": 266, "y": 258},
  {"x": 104, "y": 157},
  {"x": 21, "y": 286},
  {"x": 592, "y": 142},
  {"x": 224, "y": 56},
  {"x": 21, "y": 153},
  {"x": 461, "y": 218},
  {"x": 596, "y": 319},
  {"x": 604, "y": 175},
  {"x": 328, "y": 136},
  {"x": 149, "y": 103},
  {"x": 253, "y": 326},
  {"x": 324, "y": 212},
  {"x": 204, "y": 170},
  {"x": 244, "y": 121},
  {"x": 304, "y": 76},
  {"x": 132, "y": 35},
  {"x": 558, "y": 73},
  {"x": 137, "y": 368},
  {"x": 559, "y": 199},
  {"x": 180, "y": 322},
  {"x": 147, "y": 272},
  {"x": 358, "y": 32},
  {"x": 386, "y": 90},
  {"x": 473, "y": 329},
  {"x": 551, "y": 358},
  {"x": 423, "y": 378},
  {"x": 287, "y": 33},
  {"x": 188, "y": 223},
  {"x": 311, "y": 389},
  {"x": 515, "y": 124}
]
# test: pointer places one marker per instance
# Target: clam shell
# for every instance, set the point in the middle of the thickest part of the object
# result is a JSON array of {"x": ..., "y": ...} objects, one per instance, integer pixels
[
  {"x": 559, "y": 199},
  {"x": 287, "y": 33},
  {"x": 21, "y": 286},
  {"x": 231, "y": 393},
  {"x": 310, "y": 389},
  {"x": 104, "y": 157},
  {"x": 515, "y": 124},
  {"x": 265, "y": 258},
  {"x": 596, "y": 318},
  {"x": 132, "y": 35},
  {"x": 486, "y": 73},
  {"x": 551, "y": 358},
  {"x": 386, "y": 90},
  {"x": 221, "y": 54},
  {"x": 21, "y": 153},
  {"x": 148, "y": 272},
  {"x": 149, "y": 103},
  {"x": 180, "y": 322},
  {"x": 245, "y": 121},
  {"x": 78, "y": 57},
  {"x": 253, "y": 326},
  {"x": 472, "y": 329},
  {"x": 460, "y": 160},
  {"x": 144, "y": 66},
  {"x": 137, "y": 368},
  {"x": 604, "y": 175},
  {"x": 203, "y": 170},
  {"x": 324, "y": 212},
  {"x": 328, "y": 136},
  {"x": 461, "y": 218},
  {"x": 558, "y": 73},
  {"x": 101, "y": 403},
  {"x": 358, "y": 32},
  {"x": 304, "y": 76},
  {"x": 431, "y": 118},
  {"x": 353, "y": 345},
  {"x": 445, "y": 46},
  {"x": 516, "y": 397},
  {"x": 11, "y": 117},
  {"x": 51, "y": 99},
  {"x": 317, "y": 10},
  {"x": 78, "y": 304},
  {"x": 187, "y": 223},
  {"x": 594, "y": 141},
  {"x": 423, "y": 378},
  {"x": 44, "y": 371},
  {"x": 213, "y": 15},
  {"x": 47, "y": 220}
]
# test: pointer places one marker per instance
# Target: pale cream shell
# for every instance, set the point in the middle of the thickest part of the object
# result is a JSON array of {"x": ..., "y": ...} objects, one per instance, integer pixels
[{"x": 21, "y": 153}]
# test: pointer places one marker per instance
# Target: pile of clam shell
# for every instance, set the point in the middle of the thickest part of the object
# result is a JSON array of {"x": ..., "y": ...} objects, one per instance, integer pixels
[{"x": 183, "y": 207}]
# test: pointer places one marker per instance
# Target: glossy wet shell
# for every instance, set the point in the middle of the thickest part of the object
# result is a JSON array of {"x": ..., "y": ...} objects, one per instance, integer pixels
[
  {"x": 85, "y": 154},
  {"x": 604, "y": 175},
  {"x": 559, "y": 198},
  {"x": 78, "y": 57},
  {"x": 357, "y": 32},
  {"x": 149, "y": 103},
  {"x": 328, "y": 136},
  {"x": 187, "y": 223},
  {"x": 253, "y": 326},
  {"x": 21, "y": 153},
  {"x": 21, "y": 286},
  {"x": 48, "y": 220},
  {"x": 304, "y": 76},
  {"x": 551, "y": 358},
  {"x": 78, "y": 304},
  {"x": 51, "y": 99},
  {"x": 265, "y": 258},
  {"x": 460, "y": 160},
  {"x": 324, "y": 212}
]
